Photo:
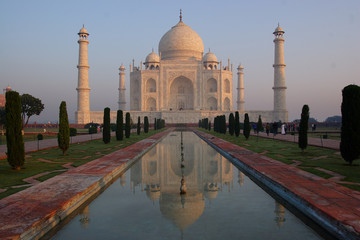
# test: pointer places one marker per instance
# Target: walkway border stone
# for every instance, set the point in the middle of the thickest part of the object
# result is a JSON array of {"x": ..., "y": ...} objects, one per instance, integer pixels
[
  {"x": 334, "y": 207},
  {"x": 31, "y": 213}
]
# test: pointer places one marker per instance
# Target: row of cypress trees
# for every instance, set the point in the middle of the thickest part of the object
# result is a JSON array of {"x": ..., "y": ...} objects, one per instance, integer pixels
[{"x": 120, "y": 125}]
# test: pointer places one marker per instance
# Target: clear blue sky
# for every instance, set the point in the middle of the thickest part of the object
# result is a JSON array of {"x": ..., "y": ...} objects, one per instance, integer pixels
[{"x": 39, "y": 49}]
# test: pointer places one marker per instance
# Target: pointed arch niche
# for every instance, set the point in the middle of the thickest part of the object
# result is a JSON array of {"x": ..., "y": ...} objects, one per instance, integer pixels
[
  {"x": 212, "y": 104},
  {"x": 150, "y": 104},
  {"x": 150, "y": 85},
  {"x": 211, "y": 85},
  {"x": 181, "y": 94}
]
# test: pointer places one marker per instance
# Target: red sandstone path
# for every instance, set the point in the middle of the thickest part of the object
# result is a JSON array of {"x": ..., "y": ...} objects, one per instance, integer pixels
[{"x": 34, "y": 211}]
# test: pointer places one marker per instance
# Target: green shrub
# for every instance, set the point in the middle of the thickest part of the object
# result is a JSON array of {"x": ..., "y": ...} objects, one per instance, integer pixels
[
  {"x": 64, "y": 129},
  {"x": 138, "y": 126},
  {"x": 231, "y": 124},
  {"x": 350, "y": 126},
  {"x": 237, "y": 124},
  {"x": 119, "y": 125},
  {"x": 40, "y": 137},
  {"x": 247, "y": 127},
  {"x": 303, "y": 139},
  {"x": 146, "y": 124},
  {"x": 14, "y": 138},
  {"x": 73, "y": 132},
  {"x": 92, "y": 130},
  {"x": 127, "y": 125},
  {"x": 106, "y": 128}
]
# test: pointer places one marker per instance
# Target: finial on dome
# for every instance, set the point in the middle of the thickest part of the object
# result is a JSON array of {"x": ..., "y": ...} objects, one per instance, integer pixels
[
  {"x": 180, "y": 15},
  {"x": 209, "y": 50},
  {"x": 152, "y": 49}
]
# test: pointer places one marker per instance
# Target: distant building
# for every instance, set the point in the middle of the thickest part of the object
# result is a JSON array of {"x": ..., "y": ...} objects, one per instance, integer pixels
[
  {"x": 181, "y": 84},
  {"x": 2, "y": 96}
]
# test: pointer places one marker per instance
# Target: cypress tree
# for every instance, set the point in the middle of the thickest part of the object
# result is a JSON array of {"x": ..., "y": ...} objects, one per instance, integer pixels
[
  {"x": 237, "y": 124},
  {"x": 247, "y": 127},
  {"x": 146, "y": 124},
  {"x": 155, "y": 127},
  {"x": 138, "y": 127},
  {"x": 223, "y": 124},
  {"x": 119, "y": 125},
  {"x": 350, "y": 125},
  {"x": 13, "y": 124},
  {"x": 231, "y": 124},
  {"x": 64, "y": 129},
  {"x": 209, "y": 126},
  {"x": 106, "y": 128},
  {"x": 127, "y": 125},
  {"x": 303, "y": 141},
  {"x": 259, "y": 125},
  {"x": 199, "y": 123}
]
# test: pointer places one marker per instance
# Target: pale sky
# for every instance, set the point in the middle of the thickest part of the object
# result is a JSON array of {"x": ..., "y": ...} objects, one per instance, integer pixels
[{"x": 39, "y": 49}]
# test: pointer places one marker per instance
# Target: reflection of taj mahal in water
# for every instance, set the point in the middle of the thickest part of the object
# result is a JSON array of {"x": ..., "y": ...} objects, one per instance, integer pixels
[
  {"x": 160, "y": 174},
  {"x": 209, "y": 178},
  {"x": 181, "y": 84}
]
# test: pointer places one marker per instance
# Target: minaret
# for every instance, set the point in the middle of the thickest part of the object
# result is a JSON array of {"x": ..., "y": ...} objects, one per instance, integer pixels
[
  {"x": 122, "y": 100},
  {"x": 280, "y": 112},
  {"x": 82, "y": 114},
  {"x": 240, "y": 89}
]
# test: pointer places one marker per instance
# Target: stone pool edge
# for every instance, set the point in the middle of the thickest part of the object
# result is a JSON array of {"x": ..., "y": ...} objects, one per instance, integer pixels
[
  {"x": 29, "y": 216},
  {"x": 337, "y": 227}
]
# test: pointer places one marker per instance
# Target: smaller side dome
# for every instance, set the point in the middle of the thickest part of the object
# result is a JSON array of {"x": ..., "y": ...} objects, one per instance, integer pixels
[
  {"x": 152, "y": 58},
  {"x": 122, "y": 68},
  {"x": 210, "y": 57}
]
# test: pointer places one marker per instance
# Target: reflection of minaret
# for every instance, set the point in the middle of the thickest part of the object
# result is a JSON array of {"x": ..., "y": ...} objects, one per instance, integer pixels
[
  {"x": 241, "y": 178},
  {"x": 182, "y": 186},
  {"x": 84, "y": 217},
  {"x": 280, "y": 214},
  {"x": 123, "y": 179}
]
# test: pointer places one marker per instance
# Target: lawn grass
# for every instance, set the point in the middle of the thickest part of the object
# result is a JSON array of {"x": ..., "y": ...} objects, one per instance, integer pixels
[
  {"x": 287, "y": 152},
  {"x": 77, "y": 154}
]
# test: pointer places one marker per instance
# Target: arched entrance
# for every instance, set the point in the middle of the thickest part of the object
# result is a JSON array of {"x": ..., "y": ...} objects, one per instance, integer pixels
[
  {"x": 150, "y": 104},
  {"x": 181, "y": 94},
  {"x": 212, "y": 104}
]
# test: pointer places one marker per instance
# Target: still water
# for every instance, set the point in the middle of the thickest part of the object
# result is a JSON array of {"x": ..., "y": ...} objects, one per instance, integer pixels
[{"x": 220, "y": 201}]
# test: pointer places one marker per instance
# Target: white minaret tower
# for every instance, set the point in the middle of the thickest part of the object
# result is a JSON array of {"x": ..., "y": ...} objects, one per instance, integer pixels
[
  {"x": 82, "y": 114},
  {"x": 280, "y": 112},
  {"x": 122, "y": 100},
  {"x": 240, "y": 89}
]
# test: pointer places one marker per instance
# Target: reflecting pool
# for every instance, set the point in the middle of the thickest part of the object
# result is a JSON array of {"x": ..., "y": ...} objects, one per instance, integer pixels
[{"x": 220, "y": 201}]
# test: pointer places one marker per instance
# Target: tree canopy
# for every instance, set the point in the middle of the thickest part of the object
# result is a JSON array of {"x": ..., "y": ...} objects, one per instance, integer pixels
[{"x": 30, "y": 106}]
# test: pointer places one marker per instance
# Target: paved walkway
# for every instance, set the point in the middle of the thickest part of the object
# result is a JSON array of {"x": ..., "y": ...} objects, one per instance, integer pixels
[
  {"x": 34, "y": 211},
  {"x": 326, "y": 143},
  {"x": 50, "y": 143},
  {"x": 333, "y": 206}
]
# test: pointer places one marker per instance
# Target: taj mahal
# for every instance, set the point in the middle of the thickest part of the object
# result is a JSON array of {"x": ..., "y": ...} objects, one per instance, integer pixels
[{"x": 181, "y": 84}]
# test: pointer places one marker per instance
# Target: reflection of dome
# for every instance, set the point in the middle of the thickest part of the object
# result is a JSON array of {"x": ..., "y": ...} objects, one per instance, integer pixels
[
  {"x": 152, "y": 58},
  {"x": 181, "y": 42},
  {"x": 210, "y": 57},
  {"x": 182, "y": 212}
]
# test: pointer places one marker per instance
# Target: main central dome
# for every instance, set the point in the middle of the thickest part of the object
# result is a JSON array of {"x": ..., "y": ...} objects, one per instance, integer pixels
[{"x": 181, "y": 42}]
